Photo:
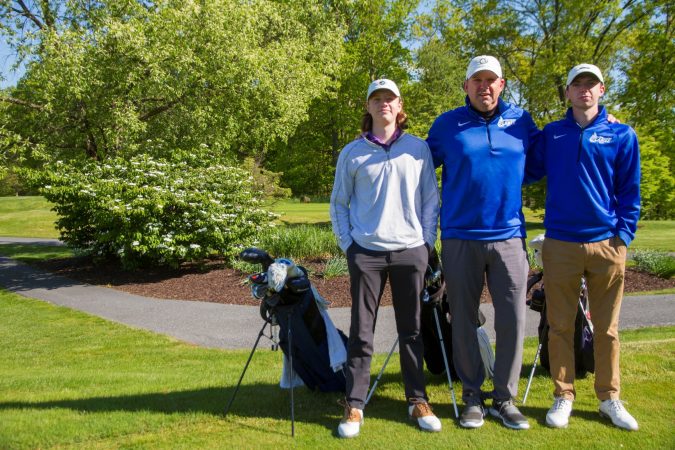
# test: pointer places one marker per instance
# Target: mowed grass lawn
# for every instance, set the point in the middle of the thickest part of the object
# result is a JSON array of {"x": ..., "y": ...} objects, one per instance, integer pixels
[
  {"x": 32, "y": 217},
  {"x": 71, "y": 380}
]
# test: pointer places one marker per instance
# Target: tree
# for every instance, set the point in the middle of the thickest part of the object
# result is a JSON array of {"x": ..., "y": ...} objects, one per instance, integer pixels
[
  {"x": 104, "y": 78},
  {"x": 647, "y": 94}
]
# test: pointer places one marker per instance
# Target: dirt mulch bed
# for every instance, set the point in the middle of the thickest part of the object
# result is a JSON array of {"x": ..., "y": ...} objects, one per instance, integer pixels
[{"x": 214, "y": 283}]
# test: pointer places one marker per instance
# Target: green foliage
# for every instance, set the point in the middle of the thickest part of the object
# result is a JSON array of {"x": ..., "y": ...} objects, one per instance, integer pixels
[
  {"x": 300, "y": 242},
  {"x": 153, "y": 211},
  {"x": 656, "y": 262},
  {"x": 373, "y": 47},
  {"x": 266, "y": 181},
  {"x": 647, "y": 92},
  {"x": 103, "y": 78},
  {"x": 657, "y": 185},
  {"x": 336, "y": 267}
]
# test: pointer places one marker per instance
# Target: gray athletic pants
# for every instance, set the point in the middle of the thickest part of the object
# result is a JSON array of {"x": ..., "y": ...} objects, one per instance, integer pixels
[
  {"x": 368, "y": 272},
  {"x": 466, "y": 264}
]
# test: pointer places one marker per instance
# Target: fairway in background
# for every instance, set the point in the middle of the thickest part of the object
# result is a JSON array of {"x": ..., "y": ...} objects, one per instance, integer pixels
[
  {"x": 32, "y": 217},
  {"x": 27, "y": 217}
]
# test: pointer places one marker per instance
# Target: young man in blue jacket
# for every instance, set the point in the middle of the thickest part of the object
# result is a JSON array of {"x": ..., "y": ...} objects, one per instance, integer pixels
[
  {"x": 482, "y": 147},
  {"x": 592, "y": 208}
]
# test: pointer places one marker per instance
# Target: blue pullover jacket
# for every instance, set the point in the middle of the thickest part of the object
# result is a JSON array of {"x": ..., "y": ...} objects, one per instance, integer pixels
[
  {"x": 483, "y": 167},
  {"x": 593, "y": 179}
]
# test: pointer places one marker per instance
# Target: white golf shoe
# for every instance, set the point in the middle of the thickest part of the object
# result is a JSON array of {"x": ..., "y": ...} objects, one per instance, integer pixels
[
  {"x": 614, "y": 410},
  {"x": 350, "y": 425},
  {"x": 426, "y": 419},
  {"x": 559, "y": 414}
]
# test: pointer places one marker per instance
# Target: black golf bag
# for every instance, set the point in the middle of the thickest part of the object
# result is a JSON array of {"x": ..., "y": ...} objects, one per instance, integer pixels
[
  {"x": 295, "y": 308},
  {"x": 311, "y": 359},
  {"x": 436, "y": 298},
  {"x": 584, "y": 360}
]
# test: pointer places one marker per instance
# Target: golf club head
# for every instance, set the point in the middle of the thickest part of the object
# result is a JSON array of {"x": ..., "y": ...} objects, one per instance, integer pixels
[{"x": 256, "y": 256}]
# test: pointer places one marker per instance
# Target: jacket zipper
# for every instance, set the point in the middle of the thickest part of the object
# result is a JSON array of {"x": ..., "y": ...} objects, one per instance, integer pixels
[{"x": 487, "y": 131}]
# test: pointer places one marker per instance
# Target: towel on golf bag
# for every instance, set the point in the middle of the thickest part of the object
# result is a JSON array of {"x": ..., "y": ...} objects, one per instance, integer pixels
[
  {"x": 337, "y": 352},
  {"x": 487, "y": 356}
]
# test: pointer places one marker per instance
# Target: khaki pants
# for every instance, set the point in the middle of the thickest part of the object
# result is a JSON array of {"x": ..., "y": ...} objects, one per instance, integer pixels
[{"x": 602, "y": 264}]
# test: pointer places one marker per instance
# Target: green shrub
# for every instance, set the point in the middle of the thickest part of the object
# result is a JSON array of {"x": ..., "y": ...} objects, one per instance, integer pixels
[
  {"x": 655, "y": 262},
  {"x": 150, "y": 211}
]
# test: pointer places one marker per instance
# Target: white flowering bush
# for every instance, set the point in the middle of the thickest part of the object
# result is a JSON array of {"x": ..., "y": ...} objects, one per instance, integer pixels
[{"x": 148, "y": 211}]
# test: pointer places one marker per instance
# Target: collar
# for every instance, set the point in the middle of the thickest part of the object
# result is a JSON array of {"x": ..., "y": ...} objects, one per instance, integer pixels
[
  {"x": 602, "y": 116},
  {"x": 501, "y": 107},
  {"x": 372, "y": 138}
]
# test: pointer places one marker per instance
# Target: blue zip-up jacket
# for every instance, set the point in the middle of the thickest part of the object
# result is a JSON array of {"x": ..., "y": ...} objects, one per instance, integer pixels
[
  {"x": 593, "y": 179},
  {"x": 483, "y": 167}
]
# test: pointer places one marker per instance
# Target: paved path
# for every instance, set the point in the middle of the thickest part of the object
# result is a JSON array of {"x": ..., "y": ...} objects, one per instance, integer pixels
[{"x": 233, "y": 326}]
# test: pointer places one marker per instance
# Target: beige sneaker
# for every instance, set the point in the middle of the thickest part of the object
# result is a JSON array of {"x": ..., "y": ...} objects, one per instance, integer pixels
[
  {"x": 425, "y": 417},
  {"x": 350, "y": 425}
]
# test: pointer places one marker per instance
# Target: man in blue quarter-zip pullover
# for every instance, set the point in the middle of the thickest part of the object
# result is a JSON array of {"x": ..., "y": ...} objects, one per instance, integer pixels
[
  {"x": 592, "y": 208},
  {"x": 482, "y": 148}
]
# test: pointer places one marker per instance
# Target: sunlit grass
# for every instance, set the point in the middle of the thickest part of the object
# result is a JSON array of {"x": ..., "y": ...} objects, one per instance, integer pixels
[{"x": 69, "y": 380}]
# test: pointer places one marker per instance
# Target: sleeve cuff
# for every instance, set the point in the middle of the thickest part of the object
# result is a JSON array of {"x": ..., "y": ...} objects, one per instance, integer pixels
[{"x": 625, "y": 237}]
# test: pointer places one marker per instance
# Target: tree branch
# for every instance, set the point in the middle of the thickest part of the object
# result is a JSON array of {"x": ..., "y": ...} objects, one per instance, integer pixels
[
  {"x": 26, "y": 12},
  {"x": 17, "y": 101},
  {"x": 160, "y": 109}
]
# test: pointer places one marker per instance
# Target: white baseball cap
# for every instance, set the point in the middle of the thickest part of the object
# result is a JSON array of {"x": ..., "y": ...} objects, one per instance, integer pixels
[
  {"x": 484, "y": 62},
  {"x": 382, "y": 83},
  {"x": 584, "y": 68}
]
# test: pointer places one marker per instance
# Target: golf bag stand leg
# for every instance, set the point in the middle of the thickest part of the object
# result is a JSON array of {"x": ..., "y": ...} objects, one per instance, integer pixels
[
  {"x": 384, "y": 366},
  {"x": 234, "y": 394},
  {"x": 445, "y": 360},
  {"x": 544, "y": 332},
  {"x": 290, "y": 358}
]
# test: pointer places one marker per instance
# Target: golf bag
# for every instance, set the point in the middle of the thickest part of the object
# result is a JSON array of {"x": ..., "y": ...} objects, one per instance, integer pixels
[
  {"x": 433, "y": 358},
  {"x": 290, "y": 301},
  {"x": 435, "y": 301},
  {"x": 584, "y": 361},
  {"x": 311, "y": 359}
]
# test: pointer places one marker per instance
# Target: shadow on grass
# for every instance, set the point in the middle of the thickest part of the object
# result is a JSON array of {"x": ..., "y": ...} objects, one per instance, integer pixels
[
  {"x": 252, "y": 401},
  {"x": 266, "y": 400}
]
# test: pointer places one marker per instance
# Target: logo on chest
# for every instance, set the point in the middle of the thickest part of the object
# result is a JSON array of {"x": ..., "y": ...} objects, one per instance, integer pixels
[
  {"x": 600, "y": 139},
  {"x": 503, "y": 123}
]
